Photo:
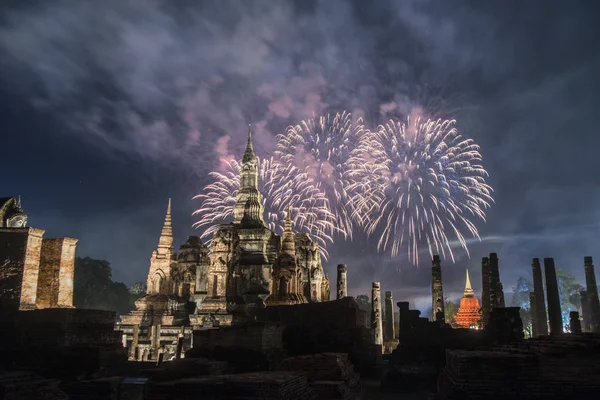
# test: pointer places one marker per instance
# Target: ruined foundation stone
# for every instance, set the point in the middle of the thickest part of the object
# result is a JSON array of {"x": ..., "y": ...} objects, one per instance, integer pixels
[
  {"x": 437, "y": 291},
  {"x": 540, "y": 300},
  {"x": 342, "y": 283},
  {"x": 376, "y": 323},
  {"x": 592, "y": 294},
  {"x": 554, "y": 312}
]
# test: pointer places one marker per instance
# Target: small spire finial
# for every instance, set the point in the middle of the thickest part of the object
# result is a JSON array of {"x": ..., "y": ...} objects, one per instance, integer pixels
[
  {"x": 19, "y": 201},
  {"x": 468, "y": 288},
  {"x": 249, "y": 154}
]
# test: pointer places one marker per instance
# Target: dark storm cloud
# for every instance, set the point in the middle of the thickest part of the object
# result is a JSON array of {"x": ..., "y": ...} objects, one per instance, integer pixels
[{"x": 175, "y": 83}]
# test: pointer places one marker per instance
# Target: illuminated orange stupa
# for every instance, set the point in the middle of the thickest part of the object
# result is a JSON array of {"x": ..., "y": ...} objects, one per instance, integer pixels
[{"x": 469, "y": 312}]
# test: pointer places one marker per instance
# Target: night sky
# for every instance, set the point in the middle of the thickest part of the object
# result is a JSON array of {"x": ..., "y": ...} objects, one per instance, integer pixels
[{"x": 108, "y": 110}]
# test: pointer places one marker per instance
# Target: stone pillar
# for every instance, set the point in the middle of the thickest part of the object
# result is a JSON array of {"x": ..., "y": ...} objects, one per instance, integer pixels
[
  {"x": 389, "y": 333},
  {"x": 158, "y": 327},
  {"x": 342, "y": 283},
  {"x": 554, "y": 312},
  {"x": 376, "y": 323},
  {"x": 134, "y": 342},
  {"x": 403, "y": 318},
  {"x": 540, "y": 299},
  {"x": 496, "y": 291},
  {"x": 437, "y": 291},
  {"x": 124, "y": 340},
  {"x": 485, "y": 290},
  {"x": 533, "y": 311},
  {"x": 179, "y": 347},
  {"x": 574, "y": 322},
  {"x": 592, "y": 294},
  {"x": 585, "y": 310}
]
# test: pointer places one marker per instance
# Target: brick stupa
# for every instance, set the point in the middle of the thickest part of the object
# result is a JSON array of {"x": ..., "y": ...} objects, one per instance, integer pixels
[{"x": 469, "y": 312}]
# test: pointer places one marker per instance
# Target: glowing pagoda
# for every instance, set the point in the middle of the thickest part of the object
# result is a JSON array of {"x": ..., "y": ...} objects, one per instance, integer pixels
[{"x": 469, "y": 312}]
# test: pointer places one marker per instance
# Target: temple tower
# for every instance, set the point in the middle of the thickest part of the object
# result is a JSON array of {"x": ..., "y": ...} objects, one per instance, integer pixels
[
  {"x": 469, "y": 311},
  {"x": 437, "y": 291},
  {"x": 286, "y": 286},
  {"x": 389, "y": 332},
  {"x": 554, "y": 312},
  {"x": 160, "y": 262},
  {"x": 288, "y": 243},
  {"x": 376, "y": 323},
  {"x": 342, "y": 283},
  {"x": 485, "y": 289},
  {"x": 248, "y": 209},
  {"x": 592, "y": 295},
  {"x": 540, "y": 301}
]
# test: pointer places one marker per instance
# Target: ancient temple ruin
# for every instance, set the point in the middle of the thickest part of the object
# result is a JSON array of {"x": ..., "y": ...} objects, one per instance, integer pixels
[
  {"x": 246, "y": 267},
  {"x": 35, "y": 272}
]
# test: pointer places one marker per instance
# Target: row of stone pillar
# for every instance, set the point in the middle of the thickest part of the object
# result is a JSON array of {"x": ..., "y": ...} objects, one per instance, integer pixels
[{"x": 589, "y": 301}]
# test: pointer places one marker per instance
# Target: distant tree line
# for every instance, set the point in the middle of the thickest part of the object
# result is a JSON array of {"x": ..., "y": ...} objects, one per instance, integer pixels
[
  {"x": 568, "y": 290},
  {"x": 95, "y": 289}
]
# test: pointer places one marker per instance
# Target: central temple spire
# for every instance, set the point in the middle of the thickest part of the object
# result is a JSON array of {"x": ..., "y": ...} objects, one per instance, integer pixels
[
  {"x": 249, "y": 149},
  {"x": 248, "y": 209},
  {"x": 468, "y": 288},
  {"x": 166, "y": 235}
]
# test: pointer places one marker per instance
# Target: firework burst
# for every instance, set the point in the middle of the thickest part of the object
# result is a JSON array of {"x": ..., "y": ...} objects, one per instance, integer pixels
[
  {"x": 309, "y": 208},
  {"x": 418, "y": 183},
  {"x": 315, "y": 154}
]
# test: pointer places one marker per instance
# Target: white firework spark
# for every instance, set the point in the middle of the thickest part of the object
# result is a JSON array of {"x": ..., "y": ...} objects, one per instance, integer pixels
[
  {"x": 418, "y": 183},
  {"x": 309, "y": 208},
  {"x": 316, "y": 152}
]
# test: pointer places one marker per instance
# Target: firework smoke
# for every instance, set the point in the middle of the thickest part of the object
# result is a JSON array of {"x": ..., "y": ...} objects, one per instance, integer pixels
[
  {"x": 309, "y": 208},
  {"x": 418, "y": 183},
  {"x": 315, "y": 155}
]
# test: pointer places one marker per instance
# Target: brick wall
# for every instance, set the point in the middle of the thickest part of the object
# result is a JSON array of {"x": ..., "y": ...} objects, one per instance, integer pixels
[
  {"x": 19, "y": 267},
  {"x": 343, "y": 313},
  {"x": 258, "y": 337},
  {"x": 57, "y": 266},
  {"x": 67, "y": 272}
]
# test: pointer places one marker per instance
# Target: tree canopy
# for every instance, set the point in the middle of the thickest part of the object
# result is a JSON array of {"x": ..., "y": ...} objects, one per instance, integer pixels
[{"x": 95, "y": 289}]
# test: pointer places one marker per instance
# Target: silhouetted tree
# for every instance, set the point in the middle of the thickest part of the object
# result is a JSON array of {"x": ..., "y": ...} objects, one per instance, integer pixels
[
  {"x": 364, "y": 302},
  {"x": 136, "y": 291},
  {"x": 568, "y": 289},
  {"x": 95, "y": 289},
  {"x": 520, "y": 298},
  {"x": 450, "y": 310}
]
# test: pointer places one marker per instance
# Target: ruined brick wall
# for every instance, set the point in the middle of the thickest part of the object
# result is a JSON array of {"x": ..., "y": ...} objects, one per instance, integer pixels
[
  {"x": 68, "y": 327},
  {"x": 19, "y": 267},
  {"x": 259, "y": 337},
  {"x": 343, "y": 313},
  {"x": 57, "y": 267}
]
